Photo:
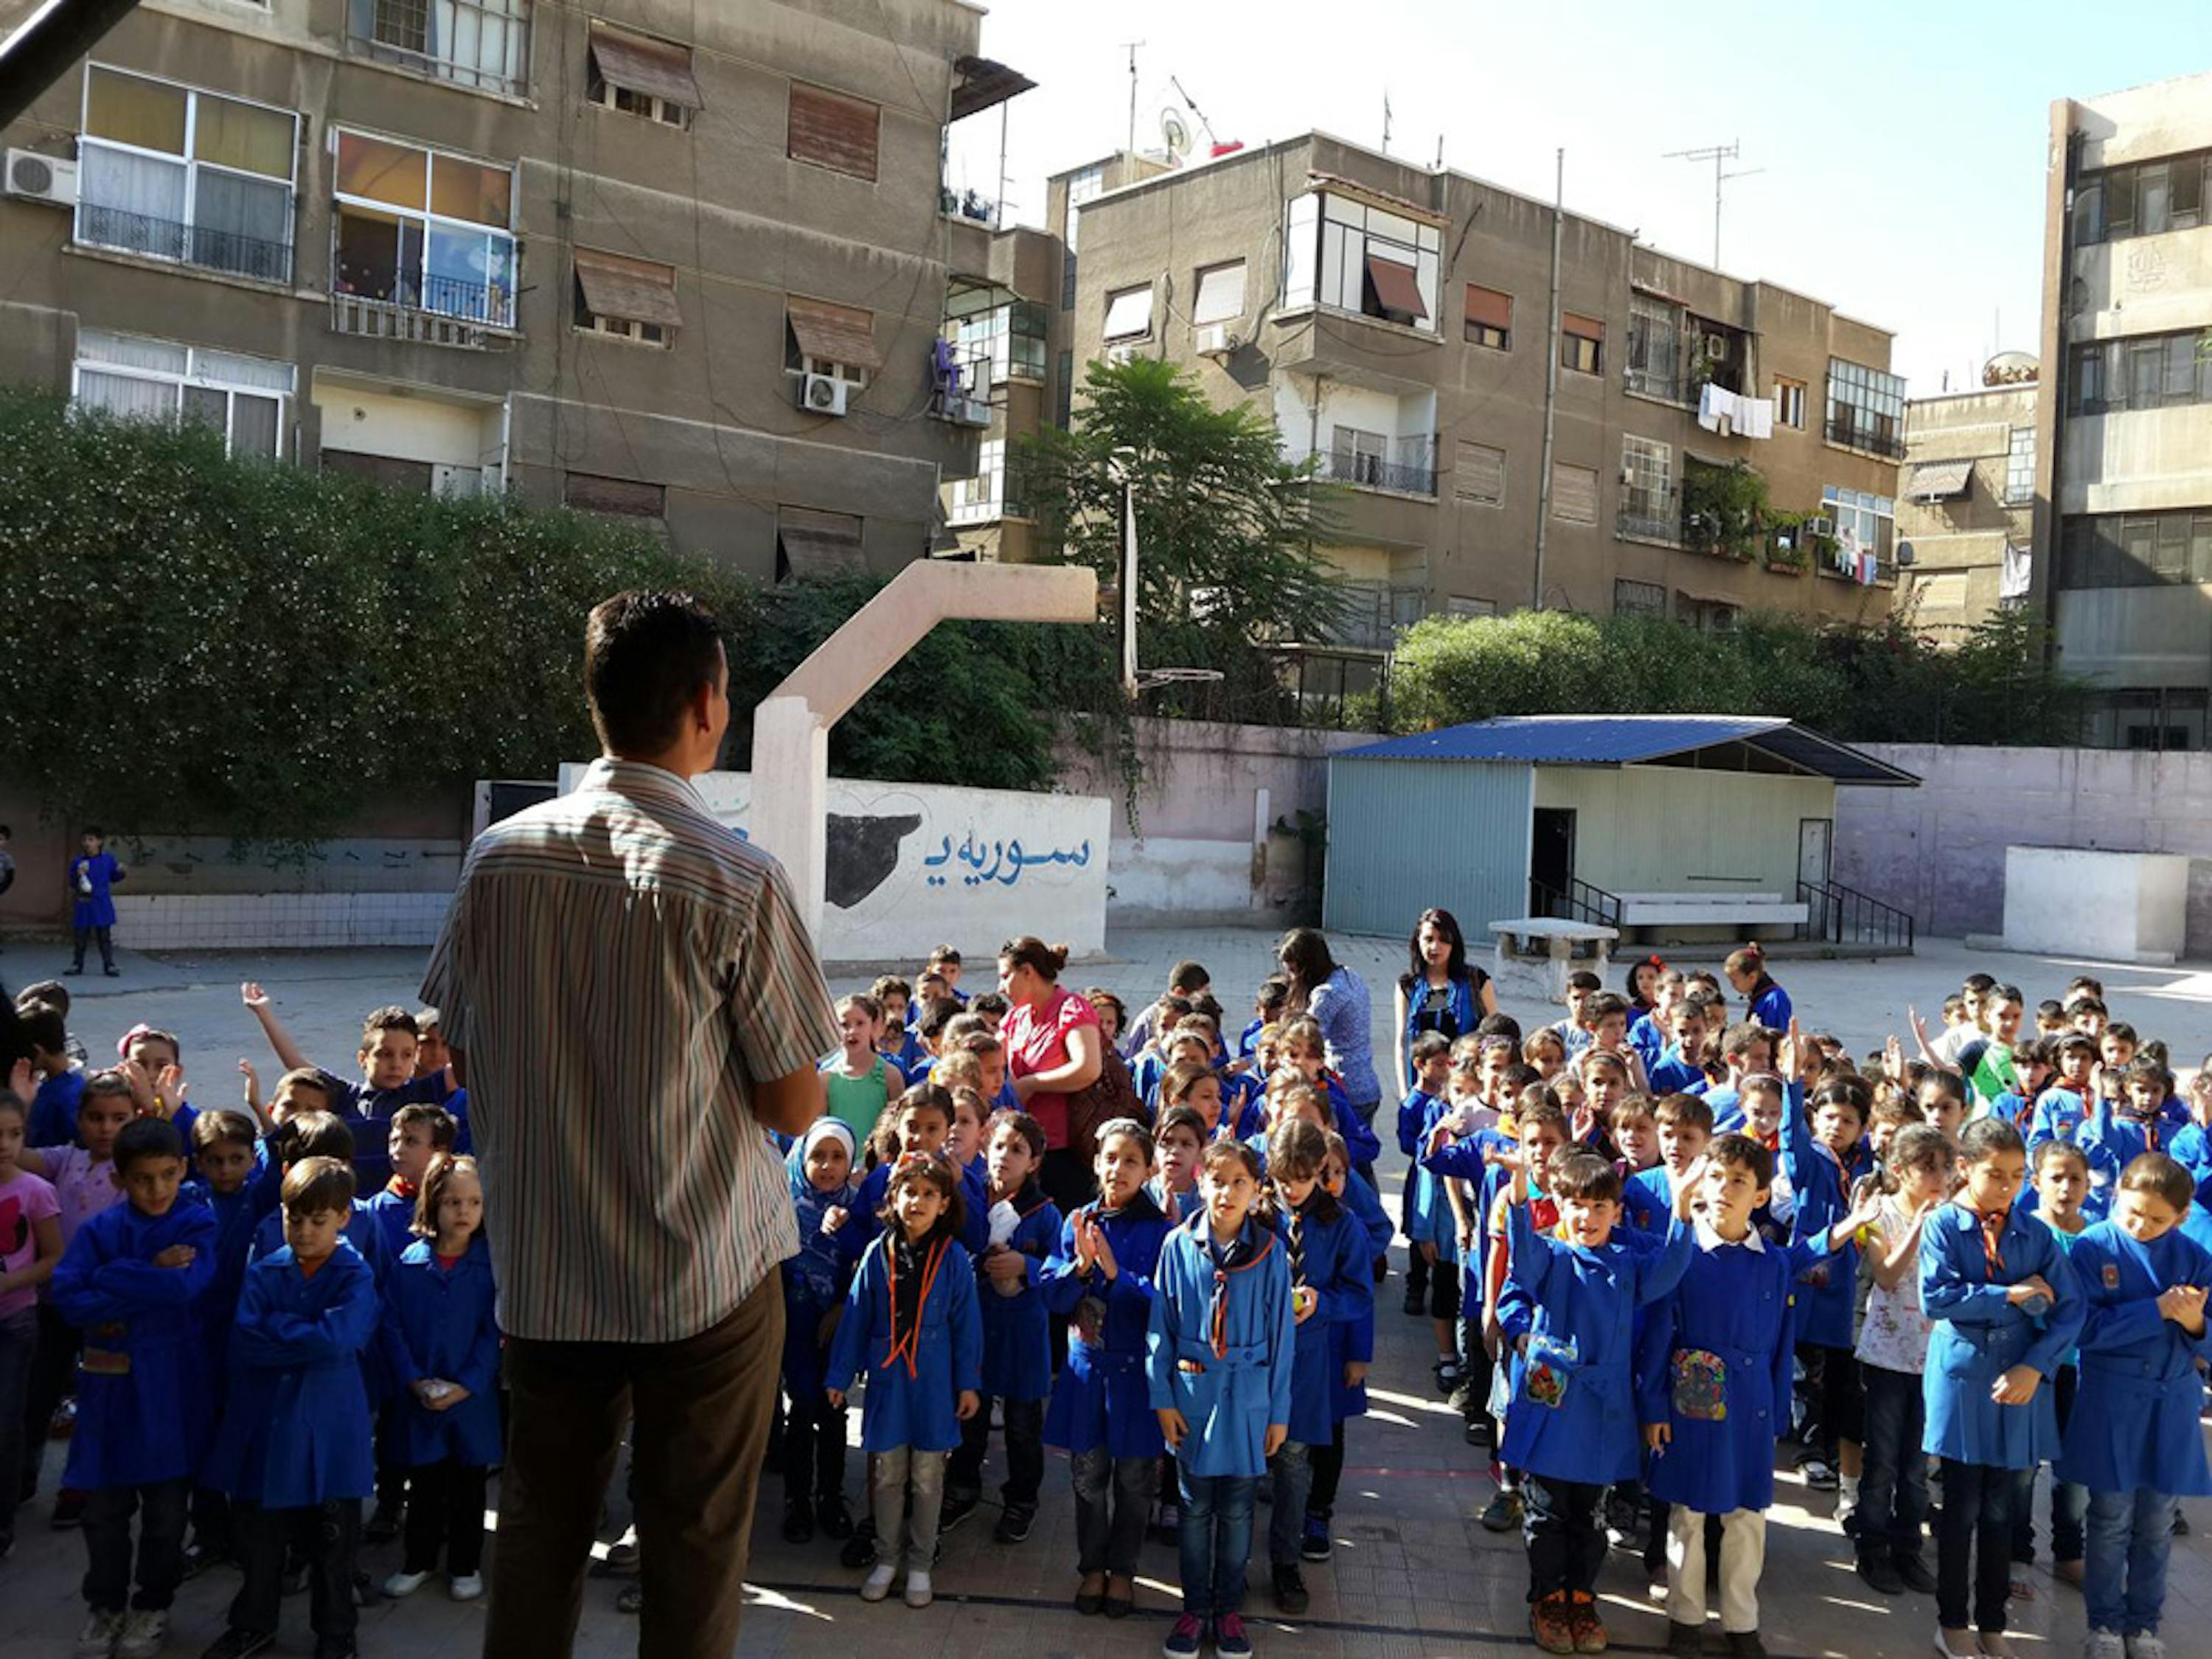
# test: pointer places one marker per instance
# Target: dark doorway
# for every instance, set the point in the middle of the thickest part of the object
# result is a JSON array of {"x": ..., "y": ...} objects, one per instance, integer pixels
[{"x": 1550, "y": 859}]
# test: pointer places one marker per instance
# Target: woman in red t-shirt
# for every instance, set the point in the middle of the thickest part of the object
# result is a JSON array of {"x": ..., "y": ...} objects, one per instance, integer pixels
[{"x": 1054, "y": 1048}]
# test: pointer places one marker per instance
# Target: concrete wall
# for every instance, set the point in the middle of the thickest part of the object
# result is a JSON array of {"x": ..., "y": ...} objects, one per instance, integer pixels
[
  {"x": 1939, "y": 851},
  {"x": 1676, "y": 829},
  {"x": 2120, "y": 907}
]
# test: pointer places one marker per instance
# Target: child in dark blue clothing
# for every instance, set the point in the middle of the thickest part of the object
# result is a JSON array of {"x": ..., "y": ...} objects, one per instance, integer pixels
[
  {"x": 1825, "y": 1155},
  {"x": 418, "y": 1136},
  {"x": 223, "y": 1146},
  {"x": 1768, "y": 1004},
  {"x": 444, "y": 1347},
  {"x": 390, "y": 1042},
  {"x": 922, "y": 1121},
  {"x": 1430, "y": 1057},
  {"x": 128, "y": 1281},
  {"x": 92, "y": 872},
  {"x": 815, "y": 1282}
]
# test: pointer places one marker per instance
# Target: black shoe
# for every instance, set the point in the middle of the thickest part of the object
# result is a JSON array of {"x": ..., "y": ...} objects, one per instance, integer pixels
[
  {"x": 860, "y": 1548},
  {"x": 234, "y": 1644},
  {"x": 1880, "y": 1574},
  {"x": 1913, "y": 1571},
  {"x": 1685, "y": 1641},
  {"x": 117, "y": 973},
  {"x": 1417, "y": 1301},
  {"x": 1746, "y": 1644},
  {"x": 958, "y": 1506},
  {"x": 1014, "y": 1522},
  {"x": 832, "y": 1518},
  {"x": 1089, "y": 1603},
  {"x": 382, "y": 1525},
  {"x": 71, "y": 973},
  {"x": 2180, "y": 1523},
  {"x": 798, "y": 1521},
  {"x": 69, "y": 1509},
  {"x": 1291, "y": 1595}
]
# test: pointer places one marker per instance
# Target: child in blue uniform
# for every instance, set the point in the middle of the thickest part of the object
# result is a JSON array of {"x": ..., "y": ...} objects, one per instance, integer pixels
[
  {"x": 1219, "y": 1363},
  {"x": 391, "y": 1042},
  {"x": 1180, "y": 1139},
  {"x": 1351, "y": 1351},
  {"x": 815, "y": 1282},
  {"x": 1825, "y": 1154},
  {"x": 1332, "y": 1282},
  {"x": 92, "y": 872},
  {"x": 294, "y": 1449},
  {"x": 2117, "y": 1131},
  {"x": 418, "y": 1136},
  {"x": 1766, "y": 1003},
  {"x": 2134, "y": 1439},
  {"x": 1714, "y": 1361},
  {"x": 2006, "y": 1309},
  {"x": 444, "y": 1344},
  {"x": 128, "y": 1281},
  {"x": 910, "y": 1324},
  {"x": 2058, "y": 1186},
  {"x": 1017, "y": 1330},
  {"x": 922, "y": 1121},
  {"x": 1569, "y": 1305},
  {"x": 224, "y": 1145},
  {"x": 1100, "y": 1279}
]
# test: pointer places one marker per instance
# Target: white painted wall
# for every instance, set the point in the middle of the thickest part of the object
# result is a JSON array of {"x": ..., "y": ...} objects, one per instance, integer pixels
[
  {"x": 2120, "y": 907},
  {"x": 409, "y": 428}
]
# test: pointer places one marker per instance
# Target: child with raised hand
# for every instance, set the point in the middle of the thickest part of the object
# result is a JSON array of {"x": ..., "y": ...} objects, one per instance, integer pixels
[
  {"x": 815, "y": 1282},
  {"x": 1331, "y": 1283},
  {"x": 30, "y": 1245},
  {"x": 910, "y": 1321},
  {"x": 1017, "y": 1331},
  {"x": 128, "y": 1281},
  {"x": 2006, "y": 1309},
  {"x": 2134, "y": 1441},
  {"x": 1220, "y": 1367},
  {"x": 294, "y": 1450},
  {"x": 1100, "y": 1279},
  {"x": 389, "y": 1041}
]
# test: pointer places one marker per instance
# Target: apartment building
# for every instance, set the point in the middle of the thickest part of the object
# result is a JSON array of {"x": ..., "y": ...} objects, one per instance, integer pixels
[
  {"x": 1716, "y": 445},
  {"x": 2125, "y": 417},
  {"x": 686, "y": 266},
  {"x": 1966, "y": 511}
]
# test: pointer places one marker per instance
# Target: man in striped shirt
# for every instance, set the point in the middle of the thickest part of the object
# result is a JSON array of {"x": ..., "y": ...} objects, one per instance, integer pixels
[{"x": 632, "y": 998}]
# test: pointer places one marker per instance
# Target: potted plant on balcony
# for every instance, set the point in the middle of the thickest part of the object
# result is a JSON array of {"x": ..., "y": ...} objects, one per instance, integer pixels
[
  {"x": 1723, "y": 509},
  {"x": 1787, "y": 548}
]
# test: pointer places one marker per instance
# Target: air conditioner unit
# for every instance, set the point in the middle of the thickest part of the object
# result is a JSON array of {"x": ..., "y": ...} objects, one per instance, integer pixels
[
  {"x": 1120, "y": 354},
  {"x": 821, "y": 395},
  {"x": 1823, "y": 526},
  {"x": 1716, "y": 345},
  {"x": 35, "y": 178},
  {"x": 1214, "y": 340}
]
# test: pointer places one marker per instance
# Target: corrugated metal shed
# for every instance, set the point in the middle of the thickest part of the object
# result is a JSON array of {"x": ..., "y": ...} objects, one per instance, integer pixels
[
  {"x": 1402, "y": 838},
  {"x": 1625, "y": 739}
]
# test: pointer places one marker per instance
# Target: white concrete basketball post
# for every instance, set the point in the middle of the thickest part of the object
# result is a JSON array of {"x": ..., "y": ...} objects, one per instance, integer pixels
[{"x": 791, "y": 725}]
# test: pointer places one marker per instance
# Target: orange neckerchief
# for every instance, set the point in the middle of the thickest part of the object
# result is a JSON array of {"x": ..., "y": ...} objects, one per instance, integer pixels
[
  {"x": 909, "y": 1345},
  {"x": 400, "y": 1187},
  {"x": 1993, "y": 1228},
  {"x": 1217, "y": 1320}
]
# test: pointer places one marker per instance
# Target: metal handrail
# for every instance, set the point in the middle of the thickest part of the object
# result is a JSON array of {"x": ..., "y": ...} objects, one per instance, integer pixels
[
  {"x": 228, "y": 251},
  {"x": 1856, "y": 435},
  {"x": 1580, "y": 901},
  {"x": 1837, "y": 914},
  {"x": 1373, "y": 473}
]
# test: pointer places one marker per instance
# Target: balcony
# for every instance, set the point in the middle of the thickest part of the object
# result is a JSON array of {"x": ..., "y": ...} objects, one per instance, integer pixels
[
  {"x": 1877, "y": 435},
  {"x": 1651, "y": 515},
  {"x": 1413, "y": 473},
  {"x": 483, "y": 44},
  {"x": 200, "y": 246},
  {"x": 441, "y": 310}
]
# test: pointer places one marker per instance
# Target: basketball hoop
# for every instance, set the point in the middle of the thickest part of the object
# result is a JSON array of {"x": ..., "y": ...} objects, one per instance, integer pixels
[{"x": 1151, "y": 679}]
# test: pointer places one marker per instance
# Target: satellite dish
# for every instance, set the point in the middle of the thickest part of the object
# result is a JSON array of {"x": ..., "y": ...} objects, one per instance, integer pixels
[{"x": 1175, "y": 135}]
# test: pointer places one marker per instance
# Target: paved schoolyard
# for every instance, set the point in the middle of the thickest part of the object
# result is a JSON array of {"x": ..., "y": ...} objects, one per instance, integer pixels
[{"x": 1413, "y": 1573}]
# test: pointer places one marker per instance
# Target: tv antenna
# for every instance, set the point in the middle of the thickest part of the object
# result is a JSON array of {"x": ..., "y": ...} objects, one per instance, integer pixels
[
  {"x": 1130, "y": 47},
  {"x": 1191, "y": 104},
  {"x": 1719, "y": 156}
]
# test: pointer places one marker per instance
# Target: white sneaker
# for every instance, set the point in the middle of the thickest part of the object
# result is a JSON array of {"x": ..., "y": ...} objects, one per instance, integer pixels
[
  {"x": 145, "y": 1633},
  {"x": 467, "y": 1586},
  {"x": 878, "y": 1584},
  {"x": 2145, "y": 1646},
  {"x": 918, "y": 1591},
  {"x": 100, "y": 1633},
  {"x": 405, "y": 1584},
  {"x": 2102, "y": 1645}
]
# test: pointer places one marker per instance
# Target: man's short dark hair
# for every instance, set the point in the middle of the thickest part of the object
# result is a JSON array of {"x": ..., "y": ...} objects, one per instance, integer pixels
[{"x": 646, "y": 653}]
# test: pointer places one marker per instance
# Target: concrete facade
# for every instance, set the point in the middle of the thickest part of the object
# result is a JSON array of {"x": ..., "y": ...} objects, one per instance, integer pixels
[
  {"x": 685, "y": 406},
  {"x": 1959, "y": 573},
  {"x": 2125, "y": 417}
]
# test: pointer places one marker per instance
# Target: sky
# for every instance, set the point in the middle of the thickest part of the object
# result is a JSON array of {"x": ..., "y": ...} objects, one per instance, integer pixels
[{"x": 1898, "y": 146}]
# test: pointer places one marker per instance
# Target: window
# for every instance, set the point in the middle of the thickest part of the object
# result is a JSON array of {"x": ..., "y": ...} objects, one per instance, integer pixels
[
  {"x": 1220, "y": 296},
  {"x": 812, "y": 544},
  {"x": 623, "y": 497},
  {"x": 631, "y": 299},
  {"x": 2143, "y": 199},
  {"x": 2135, "y": 549},
  {"x": 1647, "y": 492},
  {"x": 1866, "y": 408},
  {"x": 1574, "y": 494},
  {"x": 1010, "y": 337},
  {"x": 1632, "y": 598},
  {"x": 1128, "y": 315},
  {"x": 982, "y": 498},
  {"x": 2020, "y": 467},
  {"x": 1489, "y": 318},
  {"x": 1340, "y": 251},
  {"x": 833, "y": 130},
  {"x": 1582, "y": 343},
  {"x": 243, "y": 397},
  {"x": 640, "y": 75},
  {"x": 1862, "y": 523},
  {"x": 1064, "y": 404},
  {"x": 1359, "y": 457},
  {"x": 1479, "y": 474},
  {"x": 832, "y": 340},
  {"x": 2143, "y": 370},
  {"x": 424, "y": 229},
  {"x": 1656, "y": 331},
  {"x": 1790, "y": 404},
  {"x": 1082, "y": 187},
  {"x": 1068, "y": 280},
  {"x": 484, "y": 44},
  {"x": 179, "y": 174}
]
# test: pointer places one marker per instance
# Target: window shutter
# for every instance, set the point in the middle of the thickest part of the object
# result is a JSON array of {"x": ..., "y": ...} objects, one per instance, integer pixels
[
  {"x": 1574, "y": 494},
  {"x": 1479, "y": 475},
  {"x": 1582, "y": 328},
  {"x": 833, "y": 130},
  {"x": 589, "y": 492},
  {"x": 1489, "y": 308}
]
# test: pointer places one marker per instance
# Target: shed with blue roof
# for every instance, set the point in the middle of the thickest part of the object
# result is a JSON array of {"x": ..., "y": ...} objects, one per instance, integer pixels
[{"x": 1598, "y": 817}]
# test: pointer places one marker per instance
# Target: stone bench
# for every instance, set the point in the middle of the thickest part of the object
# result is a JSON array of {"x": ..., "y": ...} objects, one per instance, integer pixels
[{"x": 1709, "y": 910}]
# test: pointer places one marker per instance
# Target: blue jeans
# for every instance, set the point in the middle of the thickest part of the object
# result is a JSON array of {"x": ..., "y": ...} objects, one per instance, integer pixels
[
  {"x": 2130, "y": 1535},
  {"x": 1215, "y": 1541},
  {"x": 1894, "y": 1488},
  {"x": 1291, "y": 1473}
]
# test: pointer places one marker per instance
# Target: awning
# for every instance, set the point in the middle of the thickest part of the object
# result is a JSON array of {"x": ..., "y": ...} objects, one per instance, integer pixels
[
  {"x": 1489, "y": 308},
  {"x": 1395, "y": 288},
  {"x": 1220, "y": 294},
  {"x": 836, "y": 334},
  {"x": 984, "y": 83},
  {"x": 1939, "y": 480},
  {"x": 1128, "y": 315},
  {"x": 637, "y": 289},
  {"x": 1581, "y": 328},
  {"x": 818, "y": 544},
  {"x": 655, "y": 67}
]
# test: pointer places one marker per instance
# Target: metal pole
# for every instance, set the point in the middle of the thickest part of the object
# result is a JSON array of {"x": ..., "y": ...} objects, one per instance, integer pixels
[
  {"x": 1551, "y": 380},
  {"x": 1129, "y": 584}
]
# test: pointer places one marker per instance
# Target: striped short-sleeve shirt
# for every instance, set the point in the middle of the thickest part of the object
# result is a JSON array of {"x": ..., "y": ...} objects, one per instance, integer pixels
[{"x": 619, "y": 968}]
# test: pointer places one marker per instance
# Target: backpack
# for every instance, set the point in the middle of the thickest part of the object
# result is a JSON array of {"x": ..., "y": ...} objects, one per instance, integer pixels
[{"x": 1110, "y": 1095}]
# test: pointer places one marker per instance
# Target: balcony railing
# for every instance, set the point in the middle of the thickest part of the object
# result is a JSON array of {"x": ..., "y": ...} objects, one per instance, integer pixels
[
  {"x": 484, "y": 45},
  {"x": 437, "y": 311},
  {"x": 1861, "y": 434},
  {"x": 226, "y": 251},
  {"x": 1370, "y": 471},
  {"x": 1651, "y": 515}
]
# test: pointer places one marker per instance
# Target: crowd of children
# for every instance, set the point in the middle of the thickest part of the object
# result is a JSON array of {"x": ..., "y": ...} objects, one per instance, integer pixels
[{"x": 1663, "y": 1245}]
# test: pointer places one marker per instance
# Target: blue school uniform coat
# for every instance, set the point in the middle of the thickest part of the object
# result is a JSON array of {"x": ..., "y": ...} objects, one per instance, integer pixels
[
  {"x": 910, "y": 1403},
  {"x": 2135, "y": 1421},
  {"x": 1339, "y": 1268},
  {"x": 1588, "y": 1299},
  {"x": 53, "y": 1109},
  {"x": 234, "y": 1222},
  {"x": 142, "y": 1385},
  {"x": 295, "y": 1430},
  {"x": 975, "y": 1217},
  {"x": 2057, "y": 1116},
  {"x": 2109, "y": 1143},
  {"x": 440, "y": 1324},
  {"x": 1099, "y": 1398},
  {"x": 815, "y": 1280},
  {"x": 394, "y": 1215},
  {"x": 1229, "y": 1395},
  {"x": 1671, "y": 1074},
  {"x": 1771, "y": 1007},
  {"x": 95, "y": 909},
  {"x": 1978, "y": 1336},
  {"x": 1713, "y": 1362},
  {"x": 1827, "y": 1298},
  {"x": 1417, "y": 1115},
  {"x": 1017, "y": 1329},
  {"x": 1647, "y": 1202}
]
